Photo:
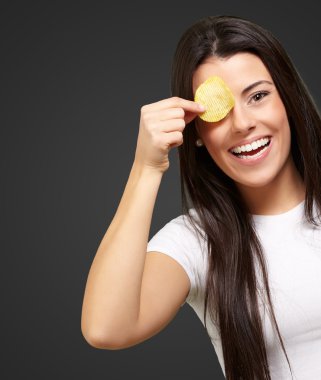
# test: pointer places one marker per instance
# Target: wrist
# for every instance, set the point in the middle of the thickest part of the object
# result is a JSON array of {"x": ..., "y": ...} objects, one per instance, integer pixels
[{"x": 143, "y": 169}]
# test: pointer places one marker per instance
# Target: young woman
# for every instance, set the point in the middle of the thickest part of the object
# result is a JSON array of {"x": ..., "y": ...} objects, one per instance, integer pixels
[{"x": 246, "y": 251}]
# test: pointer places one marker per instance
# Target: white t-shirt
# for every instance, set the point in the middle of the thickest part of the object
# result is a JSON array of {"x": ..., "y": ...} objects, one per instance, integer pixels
[{"x": 292, "y": 248}]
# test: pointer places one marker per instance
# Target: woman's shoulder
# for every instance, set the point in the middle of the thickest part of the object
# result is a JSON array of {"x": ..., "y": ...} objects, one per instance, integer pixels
[
  {"x": 189, "y": 221},
  {"x": 184, "y": 228}
]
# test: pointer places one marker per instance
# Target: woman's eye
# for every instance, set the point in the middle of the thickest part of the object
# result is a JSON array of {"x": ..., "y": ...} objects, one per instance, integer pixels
[{"x": 258, "y": 96}]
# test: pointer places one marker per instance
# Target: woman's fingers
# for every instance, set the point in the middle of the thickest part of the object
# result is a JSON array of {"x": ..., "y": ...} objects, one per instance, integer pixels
[
  {"x": 172, "y": 125},
  {"x": 161, "y": 128},
  {"x": 188, "y": 113},
  {"x": 171, "y": 113}
]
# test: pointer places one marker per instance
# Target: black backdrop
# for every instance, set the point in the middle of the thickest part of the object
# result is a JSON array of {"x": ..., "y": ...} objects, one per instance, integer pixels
[{"x": 73, "y": 79}]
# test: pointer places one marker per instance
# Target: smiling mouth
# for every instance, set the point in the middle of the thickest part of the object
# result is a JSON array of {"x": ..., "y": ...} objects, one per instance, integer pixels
[{"x": 252, "y": 153}]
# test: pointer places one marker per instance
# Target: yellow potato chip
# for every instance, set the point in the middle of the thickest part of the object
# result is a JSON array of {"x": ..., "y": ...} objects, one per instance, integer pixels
[{"x": 216, "y": 97}]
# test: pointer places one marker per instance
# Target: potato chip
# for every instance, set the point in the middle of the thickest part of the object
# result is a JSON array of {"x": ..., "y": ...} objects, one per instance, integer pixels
[{"x": 216, "y": 97}]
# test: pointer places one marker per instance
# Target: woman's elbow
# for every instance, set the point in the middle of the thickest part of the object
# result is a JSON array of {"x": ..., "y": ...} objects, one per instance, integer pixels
[
  {"x": 101, "y": 341},
  {"x": 104, "y": 341}
]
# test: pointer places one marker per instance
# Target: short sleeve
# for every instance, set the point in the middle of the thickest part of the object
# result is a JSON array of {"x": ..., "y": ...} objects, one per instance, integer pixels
[{"x": 179, "y": 240}]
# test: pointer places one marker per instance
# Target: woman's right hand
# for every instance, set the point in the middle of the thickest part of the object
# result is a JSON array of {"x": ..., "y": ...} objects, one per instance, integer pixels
[{"x": 161, "y": 128}]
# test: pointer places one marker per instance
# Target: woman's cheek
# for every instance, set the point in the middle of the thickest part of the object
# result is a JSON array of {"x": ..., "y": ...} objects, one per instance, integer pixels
[{"x": 215, "y": 151}]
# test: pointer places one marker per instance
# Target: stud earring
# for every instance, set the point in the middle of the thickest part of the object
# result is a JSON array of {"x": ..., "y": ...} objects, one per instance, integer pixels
[{"x": 198, "y": 142}]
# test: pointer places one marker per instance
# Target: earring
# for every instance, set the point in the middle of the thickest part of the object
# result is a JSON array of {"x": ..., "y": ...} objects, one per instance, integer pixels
[{"x": 198, "y": 142}]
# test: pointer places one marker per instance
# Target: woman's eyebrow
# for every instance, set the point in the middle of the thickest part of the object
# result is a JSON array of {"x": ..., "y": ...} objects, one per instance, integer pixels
[{"x": 247, "y": 89}]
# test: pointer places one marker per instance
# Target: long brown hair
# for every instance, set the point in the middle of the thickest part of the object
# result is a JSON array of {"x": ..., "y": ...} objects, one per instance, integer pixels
[{"x": 232, "y": 287}]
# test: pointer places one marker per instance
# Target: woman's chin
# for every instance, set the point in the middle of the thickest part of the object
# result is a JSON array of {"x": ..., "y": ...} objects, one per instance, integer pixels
[{"x": 256, "y": 183}]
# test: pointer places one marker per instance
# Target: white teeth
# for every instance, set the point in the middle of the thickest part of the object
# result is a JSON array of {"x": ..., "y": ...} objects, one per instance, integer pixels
[
  {"x": 254, "y": 155},
  {"x": 248, "y": 147}
]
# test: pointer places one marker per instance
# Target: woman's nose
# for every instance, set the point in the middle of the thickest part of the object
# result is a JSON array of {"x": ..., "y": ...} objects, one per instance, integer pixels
[{"x": 241, "y": 119}]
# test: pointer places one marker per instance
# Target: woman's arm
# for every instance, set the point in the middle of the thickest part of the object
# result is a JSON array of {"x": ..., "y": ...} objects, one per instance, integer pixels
[{"x": 116, "y": 311}]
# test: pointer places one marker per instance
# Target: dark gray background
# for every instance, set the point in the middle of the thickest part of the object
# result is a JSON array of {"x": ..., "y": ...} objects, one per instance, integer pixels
[{"x": 73, "y": 79}]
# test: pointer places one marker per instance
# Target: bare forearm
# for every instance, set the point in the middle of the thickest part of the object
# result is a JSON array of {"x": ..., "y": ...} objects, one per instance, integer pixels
[{"x": 112, "y": 294}]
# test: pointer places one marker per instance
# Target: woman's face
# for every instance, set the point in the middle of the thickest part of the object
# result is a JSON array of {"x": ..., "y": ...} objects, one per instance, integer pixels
[{"x": 257, "y": 118}]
